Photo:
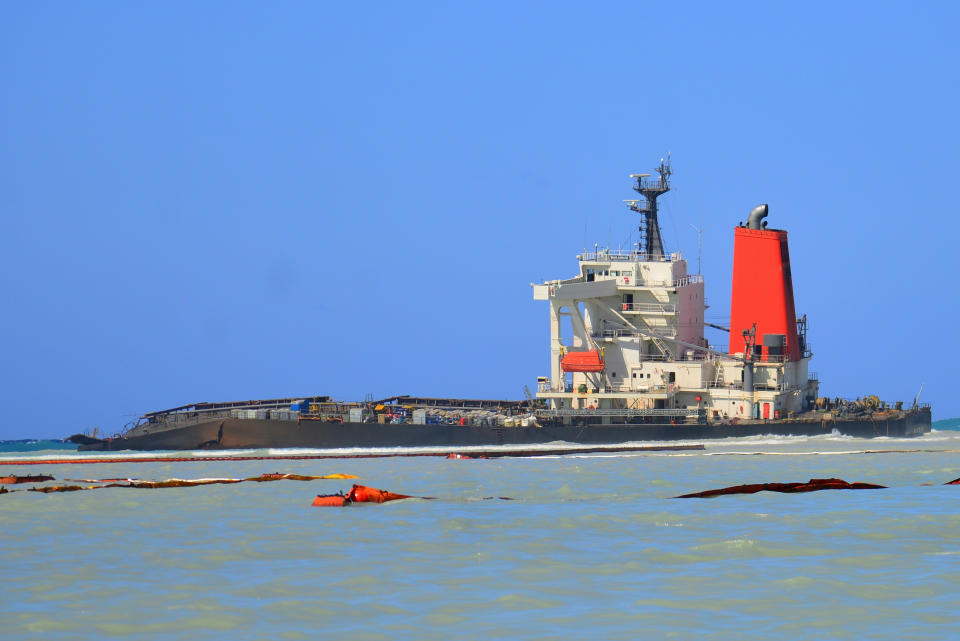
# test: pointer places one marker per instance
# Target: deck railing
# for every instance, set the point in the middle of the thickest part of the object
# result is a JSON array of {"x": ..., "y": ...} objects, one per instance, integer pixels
[
  {"x": 621, "y": 255},
  {"x": 619, "y": 412},
  {"x": 649, "y": 308}
]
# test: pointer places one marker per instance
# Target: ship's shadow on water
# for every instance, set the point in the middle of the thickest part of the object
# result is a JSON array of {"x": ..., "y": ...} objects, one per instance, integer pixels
[{"x": 592, "y": 546}]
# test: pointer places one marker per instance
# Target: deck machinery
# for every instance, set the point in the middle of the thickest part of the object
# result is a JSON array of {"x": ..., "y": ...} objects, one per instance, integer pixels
[{"x": 627, "y": 332}]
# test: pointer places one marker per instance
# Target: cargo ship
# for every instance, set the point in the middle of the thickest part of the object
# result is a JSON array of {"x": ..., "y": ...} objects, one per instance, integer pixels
[{"x": 628, "y": 362}]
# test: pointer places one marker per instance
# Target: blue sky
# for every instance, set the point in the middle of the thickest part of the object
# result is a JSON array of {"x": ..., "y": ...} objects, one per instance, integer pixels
[{"x": 219, "y": 201}]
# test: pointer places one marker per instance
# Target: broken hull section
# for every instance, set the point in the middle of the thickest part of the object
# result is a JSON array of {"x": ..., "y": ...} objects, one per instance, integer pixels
[{"x": 231, "y": 434}]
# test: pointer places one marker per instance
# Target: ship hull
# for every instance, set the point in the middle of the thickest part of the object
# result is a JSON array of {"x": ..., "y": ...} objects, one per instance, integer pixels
[{"x": 230, "y": 434}]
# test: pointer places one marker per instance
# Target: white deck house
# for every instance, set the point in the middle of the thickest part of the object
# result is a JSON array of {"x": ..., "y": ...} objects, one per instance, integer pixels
[{"x": 636, "y": 343}]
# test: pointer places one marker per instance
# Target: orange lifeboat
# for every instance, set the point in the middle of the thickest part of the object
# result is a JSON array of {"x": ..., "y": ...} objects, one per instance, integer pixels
[{"x": 589, "y": 361}]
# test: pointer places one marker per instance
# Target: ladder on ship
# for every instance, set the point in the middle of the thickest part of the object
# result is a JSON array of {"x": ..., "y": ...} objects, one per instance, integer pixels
[
  {"x": 718, "y": 375},
  {"x": 650, "y": 334}
]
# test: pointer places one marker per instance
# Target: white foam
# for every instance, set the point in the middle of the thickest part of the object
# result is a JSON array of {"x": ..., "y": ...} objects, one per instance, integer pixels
[{"x": 224, "y": 453}]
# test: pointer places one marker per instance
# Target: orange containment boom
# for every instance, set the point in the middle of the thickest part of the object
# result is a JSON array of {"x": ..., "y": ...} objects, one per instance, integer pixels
[
  {"x": 364, "y": 494},
  {"x": 589, "y": 361},
  {"x": 330, "y": 500},
  {"x": 359, "y": 494}
]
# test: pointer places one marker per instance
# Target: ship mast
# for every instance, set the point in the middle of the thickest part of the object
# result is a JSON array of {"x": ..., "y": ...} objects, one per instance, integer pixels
[{"x": 650, "y": 238}]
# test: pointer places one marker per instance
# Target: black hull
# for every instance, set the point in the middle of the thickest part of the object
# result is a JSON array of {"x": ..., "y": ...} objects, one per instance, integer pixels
[{"x": 257, "y": 434}]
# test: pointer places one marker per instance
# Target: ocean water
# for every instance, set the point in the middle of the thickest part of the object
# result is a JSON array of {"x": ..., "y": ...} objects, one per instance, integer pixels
[{"x": 590, "y": 546}]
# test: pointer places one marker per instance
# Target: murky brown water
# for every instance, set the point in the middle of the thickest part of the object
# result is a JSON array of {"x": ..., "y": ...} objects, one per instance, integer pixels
[{"x": 592, "y": 547}]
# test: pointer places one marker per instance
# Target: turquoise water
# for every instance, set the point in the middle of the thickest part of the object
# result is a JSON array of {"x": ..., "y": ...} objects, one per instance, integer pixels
[
  {"x": 947, "y": 424},
  {"x": 590, "y": 547},
  {"x": 34, "y": 445}
]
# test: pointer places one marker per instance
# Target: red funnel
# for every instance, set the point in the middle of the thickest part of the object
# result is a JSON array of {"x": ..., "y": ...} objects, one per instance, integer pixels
[{"x": 762, "y": 291}]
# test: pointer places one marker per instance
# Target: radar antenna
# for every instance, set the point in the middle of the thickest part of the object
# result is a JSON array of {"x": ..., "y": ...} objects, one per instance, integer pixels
[
  {"x": 699, "y": 231},
  {"x": 650, "y": 238}
]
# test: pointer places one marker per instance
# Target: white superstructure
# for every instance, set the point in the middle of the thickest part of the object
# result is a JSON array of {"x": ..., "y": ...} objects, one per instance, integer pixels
[{"x": 635, "y": 346}]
